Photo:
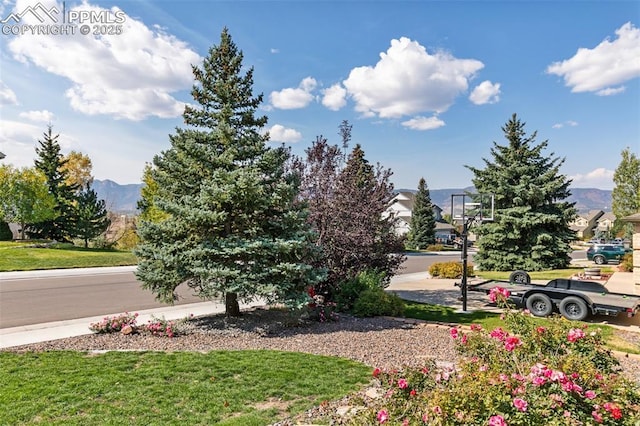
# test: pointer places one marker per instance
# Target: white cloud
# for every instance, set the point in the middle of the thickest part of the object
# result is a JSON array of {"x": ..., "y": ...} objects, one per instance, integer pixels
[
  {"x": 485, "y": 93},
  {"x": 131, "y": 75},
  {"x": 334, "y": 97},
  {"x": 408, "y": 80},
  {"x": 611, "y": 91},
  {"x": 274, "y": 50},
  {"x": 423, "y": 123},
  {"x": 7, "y": 96},
  {"x": 605, "y": 67},
  {"x": 294, "y": 98},
  {"x": 279, "y": 133},
  {"x": 41, "y": 116},
  {"x": 598, "y": 178},
  {"x": 569, "y": 123}
]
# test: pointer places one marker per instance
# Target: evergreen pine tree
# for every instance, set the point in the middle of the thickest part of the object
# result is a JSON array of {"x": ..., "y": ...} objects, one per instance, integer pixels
[
  {"x": 531, "y": 228},
  {"x": 91, "y": 216},
  {"x": 51, "y": 162},
  {"x": 626, "y": 193},
  {"x": 422, "y": 232},
  {"x": 232, "y": 225}
]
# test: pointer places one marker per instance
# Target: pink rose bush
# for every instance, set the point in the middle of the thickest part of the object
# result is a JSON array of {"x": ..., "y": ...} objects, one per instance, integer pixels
[
  {"x": 114, "y": 324},
  {"x": 517, "y": 374},
  {"x": 127, "y": 323}
]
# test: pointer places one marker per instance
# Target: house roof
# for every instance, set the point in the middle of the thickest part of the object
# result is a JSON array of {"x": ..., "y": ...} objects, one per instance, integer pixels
[
  {"x": 593, "y": 215},
  {"x": 634, "y": 218},
  {"x": 608, "y": 215},
  {"x": 441, "y": 226}
]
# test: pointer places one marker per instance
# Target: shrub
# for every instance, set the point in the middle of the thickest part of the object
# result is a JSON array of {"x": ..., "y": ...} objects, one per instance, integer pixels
[
  {"x": 319, "y": 309},
  {"x": 435, "y": 247},
  {"x": 626, "y": 264},
  {"x": 5, "y": 231},
  {"x": 522, "y": 374},
  {"x": 375, "y": 302},
  {"x": 448, "y": 270},
  {"x": 351, "y": 289},
  {"x": 114, "y": 324},
  {"x": 162, "y": 327}
]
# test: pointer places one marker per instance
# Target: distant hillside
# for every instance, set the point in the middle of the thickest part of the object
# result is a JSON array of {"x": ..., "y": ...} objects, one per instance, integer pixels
[
  {"x": 118, "y": 198},
  {"x": 585, "y": 198},
  {"x": 123, "y": 198}
]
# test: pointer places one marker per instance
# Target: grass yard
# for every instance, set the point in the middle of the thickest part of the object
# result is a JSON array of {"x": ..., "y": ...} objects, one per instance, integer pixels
[
  {"x": 24, "y": 256},
  {"x": 155, "y": 388}
]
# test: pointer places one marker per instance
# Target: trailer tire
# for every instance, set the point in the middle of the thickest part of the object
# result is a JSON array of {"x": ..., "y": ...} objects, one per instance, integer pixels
[
  {"x": 573, "y": 308},
  {"x": 540, "y": 305},
  {"x": 520, "y": 277}
]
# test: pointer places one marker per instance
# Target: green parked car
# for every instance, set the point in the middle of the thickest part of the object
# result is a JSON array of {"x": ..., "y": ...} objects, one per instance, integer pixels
[{"x": 604, "y": 253}]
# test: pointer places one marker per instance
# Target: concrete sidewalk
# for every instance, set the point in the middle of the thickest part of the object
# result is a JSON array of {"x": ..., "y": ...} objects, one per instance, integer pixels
[{"x": 27, "y": 334}]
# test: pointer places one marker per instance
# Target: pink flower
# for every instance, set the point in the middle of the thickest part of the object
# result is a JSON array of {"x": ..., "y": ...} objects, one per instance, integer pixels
[
  {"x": 540, "y": 329},
  {"x": 539, "y": 380},
  {"x": 437, "y": 410},
  {"x": 497, "y": 421},
  {"x": 498, "y": 334},
  {"x": 454, "y": 333},
  {"x": 463, "y": 339},
  {"x": 382, "y": 416},
  {"x": 596, "y": 416},
  {"x": 575, "y": 334},
  {"x": 413, "y": 392},
  {"x": 498, "y": 293},
  {"x": 376, "y": 372},
  {"x": 476, "y": 327},
  {"x": 520, "y": 404},
  {"x": 590, "y": 394},
  {"x": 405, "y": 422},
  {"x": 402, "y": 384},
  {"x": 511, "y": 343},
  {"x": 613, "y": 409}
]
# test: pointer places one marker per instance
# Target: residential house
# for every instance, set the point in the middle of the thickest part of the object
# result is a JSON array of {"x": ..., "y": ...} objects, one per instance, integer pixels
[
  {"x": 585, "y": 224},
  {"x": 401, "y": 207},
  {"x": 604, "y": 225}
]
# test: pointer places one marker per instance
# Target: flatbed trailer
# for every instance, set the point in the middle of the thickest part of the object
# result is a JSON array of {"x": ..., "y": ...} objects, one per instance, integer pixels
[{"x": 573, "y": 299}]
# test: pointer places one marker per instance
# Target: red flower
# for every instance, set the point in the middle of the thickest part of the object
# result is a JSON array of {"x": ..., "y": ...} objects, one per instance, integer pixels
[{"x": 376, "y": 372}]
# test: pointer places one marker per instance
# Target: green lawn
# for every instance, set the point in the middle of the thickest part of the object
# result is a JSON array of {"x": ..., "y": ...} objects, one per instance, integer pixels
[
  {"x": 23, "y": 256},
  {"x": 155, "y": 388}
]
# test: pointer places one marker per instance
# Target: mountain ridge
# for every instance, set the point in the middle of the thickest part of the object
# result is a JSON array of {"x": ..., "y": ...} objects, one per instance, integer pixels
[{"x": 123, "y": 198}]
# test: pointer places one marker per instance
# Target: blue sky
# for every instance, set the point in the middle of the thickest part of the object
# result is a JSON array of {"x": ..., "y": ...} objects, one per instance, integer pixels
[{"x": 426, "y": 85}]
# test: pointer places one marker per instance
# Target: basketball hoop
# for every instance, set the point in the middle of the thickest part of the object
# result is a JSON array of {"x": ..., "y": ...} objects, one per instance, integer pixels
[{"x": 470, "y": 208}]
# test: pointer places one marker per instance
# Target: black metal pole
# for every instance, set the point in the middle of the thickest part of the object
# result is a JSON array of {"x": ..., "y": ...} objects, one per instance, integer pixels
[{"x": 463, "y": 286}]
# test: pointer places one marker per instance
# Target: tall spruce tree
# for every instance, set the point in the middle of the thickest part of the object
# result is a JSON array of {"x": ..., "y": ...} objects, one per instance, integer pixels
[
  {"x": 233, "y": 227},
  {"x": 531, "y": 228},
  {"x": 626, "y": 193},
  {"x": 91, "y": 216},
  {"x": 422, "y": 231},
  {"x": 51, "y": 163}
]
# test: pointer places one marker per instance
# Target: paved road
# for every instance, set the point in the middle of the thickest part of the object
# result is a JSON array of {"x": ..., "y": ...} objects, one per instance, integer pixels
[
  {"x": 42, "y": 297},
  {"x": 45, "y": 296}
]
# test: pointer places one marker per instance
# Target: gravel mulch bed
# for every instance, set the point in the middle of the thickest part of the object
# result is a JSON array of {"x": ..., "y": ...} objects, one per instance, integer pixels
[{"x": 377, "y": 342}]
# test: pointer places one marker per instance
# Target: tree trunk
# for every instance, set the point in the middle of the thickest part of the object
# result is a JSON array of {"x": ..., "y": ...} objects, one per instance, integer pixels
[{"x": 231, "y": 305}]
